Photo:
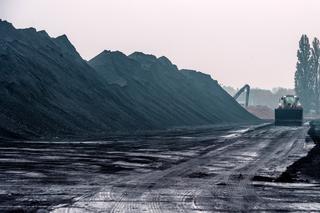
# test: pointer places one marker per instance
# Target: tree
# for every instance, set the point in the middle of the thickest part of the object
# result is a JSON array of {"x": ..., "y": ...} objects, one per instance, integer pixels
[
  {"x": 303, "y": 77},
  {"x": 315, "y": 60}
]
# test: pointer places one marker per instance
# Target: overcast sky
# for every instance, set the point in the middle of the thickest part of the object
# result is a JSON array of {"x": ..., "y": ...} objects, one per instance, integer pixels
[{"x": 235, "y": 41}]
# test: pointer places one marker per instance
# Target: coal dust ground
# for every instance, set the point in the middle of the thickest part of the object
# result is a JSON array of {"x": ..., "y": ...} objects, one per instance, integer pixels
[{"x": 214, "y": 169}]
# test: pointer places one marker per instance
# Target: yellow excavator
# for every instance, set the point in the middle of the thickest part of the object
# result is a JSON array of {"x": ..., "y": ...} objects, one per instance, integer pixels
[{"x": 289, "y": 111}]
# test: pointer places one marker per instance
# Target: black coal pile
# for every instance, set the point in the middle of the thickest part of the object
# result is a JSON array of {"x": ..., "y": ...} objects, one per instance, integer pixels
[
  {"x": 48, "y": 91},
  {"x": 306, "y": 169},
  {"x": 314, "y": 131}
]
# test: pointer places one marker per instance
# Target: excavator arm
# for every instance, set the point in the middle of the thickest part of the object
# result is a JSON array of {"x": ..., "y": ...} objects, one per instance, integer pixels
[{"x": 243, "y": 89}]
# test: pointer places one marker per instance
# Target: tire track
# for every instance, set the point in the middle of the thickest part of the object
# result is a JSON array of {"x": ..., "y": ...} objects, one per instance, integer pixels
[
  {"x": 240, "y": 192},
  {"x": 225, "y": 190}
]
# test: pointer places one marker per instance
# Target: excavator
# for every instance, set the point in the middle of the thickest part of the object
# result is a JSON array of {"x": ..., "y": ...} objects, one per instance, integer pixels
[{"x": 289, "y": 111}]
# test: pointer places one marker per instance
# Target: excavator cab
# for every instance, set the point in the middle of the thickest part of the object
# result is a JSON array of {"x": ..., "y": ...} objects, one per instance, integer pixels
[{"x": 289, "y": 111}]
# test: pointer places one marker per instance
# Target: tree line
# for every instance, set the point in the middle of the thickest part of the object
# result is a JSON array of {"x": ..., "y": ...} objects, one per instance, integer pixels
[{"x": 307, "y": 75}]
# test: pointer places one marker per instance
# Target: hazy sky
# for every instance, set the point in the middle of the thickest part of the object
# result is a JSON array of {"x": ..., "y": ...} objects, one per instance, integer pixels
[{"x": 236, "y": 41}]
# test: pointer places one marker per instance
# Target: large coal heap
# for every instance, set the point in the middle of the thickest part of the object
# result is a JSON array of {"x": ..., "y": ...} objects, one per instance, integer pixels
[{"x": 48, "y": 91}]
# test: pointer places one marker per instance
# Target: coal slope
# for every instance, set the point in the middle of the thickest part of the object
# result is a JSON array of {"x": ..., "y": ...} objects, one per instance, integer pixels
[
  {"x": 48, "y": 91},
  {"x": 307, "y": 168}
]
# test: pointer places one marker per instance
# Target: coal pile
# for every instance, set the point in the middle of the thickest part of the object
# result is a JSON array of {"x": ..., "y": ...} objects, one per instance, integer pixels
[
  {"x": 306, "y": 169},
  {"x": 49, "y": 92}
]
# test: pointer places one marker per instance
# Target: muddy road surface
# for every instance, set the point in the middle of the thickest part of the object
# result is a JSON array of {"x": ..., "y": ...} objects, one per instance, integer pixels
[{"x": 205, "y": 170}]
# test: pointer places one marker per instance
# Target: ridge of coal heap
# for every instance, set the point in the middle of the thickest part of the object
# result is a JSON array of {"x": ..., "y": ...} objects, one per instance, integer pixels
[{"x": 49, "y": 91}]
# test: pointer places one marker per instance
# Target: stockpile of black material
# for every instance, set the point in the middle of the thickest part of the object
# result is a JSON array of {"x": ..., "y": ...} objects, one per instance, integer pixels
[
  {"x": 306, "y": 169},
  {"x": 314, "y": 131},
  {"x": 47, "y": 90}
]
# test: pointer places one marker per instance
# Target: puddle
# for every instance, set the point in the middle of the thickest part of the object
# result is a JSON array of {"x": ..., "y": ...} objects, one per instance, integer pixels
[{"x": 128, "y": 164}]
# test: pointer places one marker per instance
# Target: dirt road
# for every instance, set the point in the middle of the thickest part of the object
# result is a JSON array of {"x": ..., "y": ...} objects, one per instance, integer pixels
[{"x": 209, "y": 172}]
